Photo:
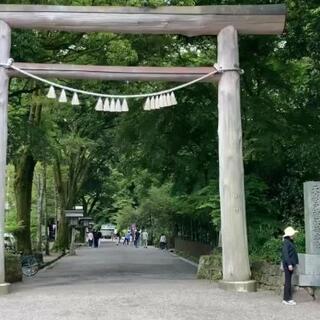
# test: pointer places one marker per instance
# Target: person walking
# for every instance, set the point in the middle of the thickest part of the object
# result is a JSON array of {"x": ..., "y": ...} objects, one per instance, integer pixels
[
  {"x": 131, "y": 239},
  {"x": 127, "y": 238},
  {"x": 140, "y": 241},
  {"x": 289, "y": 262},
  {"x": 163, "y": 242},
  {"x": 96, "y": 237},
  {"x": 145, "y": 237},
  {"x": 118, "y": 237},
  {"x": 90, "y": 239},
  {"x": 136, "y": 238}
]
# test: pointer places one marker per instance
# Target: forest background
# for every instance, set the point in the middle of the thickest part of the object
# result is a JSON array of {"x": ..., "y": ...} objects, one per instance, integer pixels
[{"x": 160, "y": 169}]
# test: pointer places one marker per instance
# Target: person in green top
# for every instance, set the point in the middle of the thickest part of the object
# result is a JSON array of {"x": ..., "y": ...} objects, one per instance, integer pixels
[{"x": 144, "y": 237}]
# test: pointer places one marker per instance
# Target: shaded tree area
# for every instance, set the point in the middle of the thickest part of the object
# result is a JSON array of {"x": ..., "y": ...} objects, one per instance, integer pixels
[{"x": 160, "y": 169}]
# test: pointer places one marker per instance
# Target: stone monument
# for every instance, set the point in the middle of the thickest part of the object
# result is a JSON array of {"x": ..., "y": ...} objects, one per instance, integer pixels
[{"x": 309, "y": 266}]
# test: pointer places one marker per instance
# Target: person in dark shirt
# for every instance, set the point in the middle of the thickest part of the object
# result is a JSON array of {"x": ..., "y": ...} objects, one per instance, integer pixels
[
  {"x": 136, "y": 238},
  {"x": 96, "y": 236},
  {"x": 118, "y": 237},
  {"x": 289, "y": 261}
]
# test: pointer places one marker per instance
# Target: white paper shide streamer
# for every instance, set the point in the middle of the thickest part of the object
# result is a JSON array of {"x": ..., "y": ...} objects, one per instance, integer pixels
[
  {"x": 75, "y": 100},
  {"x": 52, "y": 93},
  {"x": 63, "y": 96},
  {"x": 106, "y": 105},
  {"x": 112, "y": 105},
  {"x": 160, "y": 101},
  {"x": 99, "y": 105}
]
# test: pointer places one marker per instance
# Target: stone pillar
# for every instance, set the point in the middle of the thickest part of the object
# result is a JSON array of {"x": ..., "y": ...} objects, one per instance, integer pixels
[
  {"x": 309, "y": 263},
  {"x": 312, "y": 216},
  {"x": 235, "y": 258},
  {"x": 5, "y": 43}
]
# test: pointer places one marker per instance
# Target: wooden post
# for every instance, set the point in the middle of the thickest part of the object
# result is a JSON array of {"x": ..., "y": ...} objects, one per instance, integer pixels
[
  {"x": 5, "y": 43},
  {"x": 235, "y": 259}
]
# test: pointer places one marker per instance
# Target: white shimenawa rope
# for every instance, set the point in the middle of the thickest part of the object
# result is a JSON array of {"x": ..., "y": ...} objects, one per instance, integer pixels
[{"x": 158, "y": 99}]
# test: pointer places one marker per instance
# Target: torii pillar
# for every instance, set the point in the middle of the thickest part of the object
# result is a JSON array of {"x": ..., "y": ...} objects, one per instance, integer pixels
[
  {"x": 5, "y": 44},
  {"x": 235, "y": 259}
]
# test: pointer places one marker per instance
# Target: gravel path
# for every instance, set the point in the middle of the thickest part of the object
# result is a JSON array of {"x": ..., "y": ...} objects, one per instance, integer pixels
[{"x": 125, "y": 283}]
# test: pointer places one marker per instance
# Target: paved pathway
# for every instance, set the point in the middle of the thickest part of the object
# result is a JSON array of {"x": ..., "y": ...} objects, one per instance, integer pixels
[{"x": 125, "y": 283}]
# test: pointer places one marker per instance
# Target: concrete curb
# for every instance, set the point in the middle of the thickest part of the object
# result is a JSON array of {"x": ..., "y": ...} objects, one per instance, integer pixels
[{"x": 183, "y": 259}]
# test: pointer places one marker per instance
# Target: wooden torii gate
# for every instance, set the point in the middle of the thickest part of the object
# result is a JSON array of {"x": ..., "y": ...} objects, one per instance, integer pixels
[{"x": 226, "y": 22}]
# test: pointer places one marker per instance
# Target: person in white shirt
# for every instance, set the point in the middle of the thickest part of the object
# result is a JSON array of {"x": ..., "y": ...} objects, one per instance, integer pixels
[
  {"x": 144, "y": 238},
  {"x": 90, "y": 239},
  {"x": 163, "y": 242}
]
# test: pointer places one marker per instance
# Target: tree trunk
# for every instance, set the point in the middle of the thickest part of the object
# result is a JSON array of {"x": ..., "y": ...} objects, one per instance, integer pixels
[
  {"x": 44, "y": 208},
  {"x": 62, "y": 229},
  {"x": 68, "y": 187},
  {"x": 24, "y": 169},
  {"x": 41, "y": 205},
  {"x": 72, "y": 244},
  {"x": 56, "y": 212},
  {"x": 62, "y": 242},
  {"x": 40, "y": 191}
]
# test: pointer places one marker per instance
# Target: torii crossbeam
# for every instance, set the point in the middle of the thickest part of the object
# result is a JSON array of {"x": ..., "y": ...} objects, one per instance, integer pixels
[{"x": 226, "y": 22}]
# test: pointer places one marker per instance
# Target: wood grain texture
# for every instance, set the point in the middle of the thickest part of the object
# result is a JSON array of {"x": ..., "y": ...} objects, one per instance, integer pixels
[
  {"x": 5, "y": 43},
  {"x": 232, "y": 197},
  {"x": 67, "y": 71},
  {"x": 189, "y": 21}
]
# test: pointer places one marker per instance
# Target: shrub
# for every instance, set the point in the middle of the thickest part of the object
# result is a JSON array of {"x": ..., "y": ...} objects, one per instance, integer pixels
[{"x": 271, "y": 250}]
